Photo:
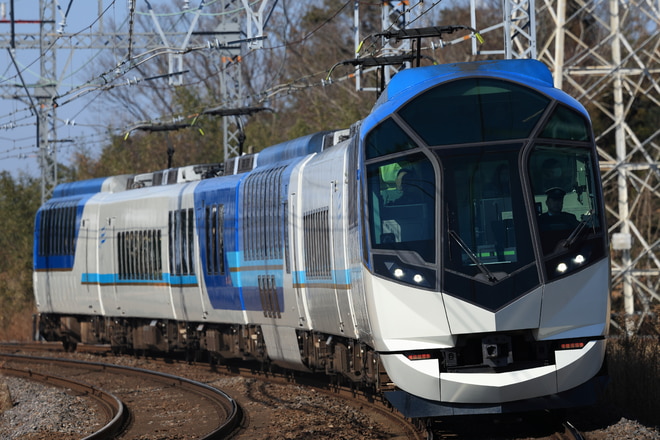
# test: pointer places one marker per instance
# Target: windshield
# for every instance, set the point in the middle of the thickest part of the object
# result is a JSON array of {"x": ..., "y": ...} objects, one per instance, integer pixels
[
  {"x": 488, "y": 236},
  {"x": 461, "y": 188},
  {"x": 474, "y": 110},
  {"x": 566, "y": 204}
]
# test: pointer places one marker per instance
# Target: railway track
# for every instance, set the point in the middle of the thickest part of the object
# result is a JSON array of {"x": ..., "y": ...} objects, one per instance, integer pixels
[
  {"x": 129, "y": 395},
  {"x": 279, "y": 394},
  {"x": 113, "y": 408},
  {"x": 417, "y": 429},
  {"x": 377, "y": 407},
  {"x": 258, "y": 388}
]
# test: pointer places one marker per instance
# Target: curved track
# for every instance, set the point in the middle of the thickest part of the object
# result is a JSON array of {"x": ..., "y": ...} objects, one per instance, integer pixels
[
  {"x": 114, "y": 409},
  {"x": 375, "y": 403},
  {"x": 227, "y": 408},
  {"x": 407, "y": 429}
]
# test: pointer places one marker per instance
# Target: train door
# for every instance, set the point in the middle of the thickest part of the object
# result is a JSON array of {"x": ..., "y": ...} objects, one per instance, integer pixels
[
  {"x": 108, "y": 252},
  {"x": 339, "y": 247},
  {"x": 90, "y": 249},
  {"x": 200, "y": 239},
  {"x": 97, "y": 233},
  {"x": 324, "y": 273},
  {"x": 182, "y": 279},
  {"x": 296, "y": 263}
]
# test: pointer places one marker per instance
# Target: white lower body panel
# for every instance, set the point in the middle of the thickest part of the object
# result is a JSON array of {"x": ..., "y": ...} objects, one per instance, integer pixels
[{"x": 423, "y": 379}]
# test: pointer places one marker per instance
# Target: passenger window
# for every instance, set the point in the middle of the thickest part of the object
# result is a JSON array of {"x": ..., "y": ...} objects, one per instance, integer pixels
[
  {"x": 214, "y": 239},
  {"x": 139, "y": 255},
  {"x": 181, "y": 238}
]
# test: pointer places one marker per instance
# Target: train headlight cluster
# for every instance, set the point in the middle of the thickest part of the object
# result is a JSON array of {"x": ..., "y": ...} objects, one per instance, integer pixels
[
  {"x": 406, "y": 274},
  {"x": 567, "y": 262},
  {"x": 570, "y": 264}
]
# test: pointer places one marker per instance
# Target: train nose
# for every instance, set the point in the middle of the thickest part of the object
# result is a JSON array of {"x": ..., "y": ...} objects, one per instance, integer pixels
[{"x": 422, "y": 378}]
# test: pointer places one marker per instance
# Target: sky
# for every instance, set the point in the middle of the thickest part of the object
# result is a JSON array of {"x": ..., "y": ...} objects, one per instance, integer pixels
[
  {"x": 75, "y": 122},
  {"x": 81, "y": 119}
]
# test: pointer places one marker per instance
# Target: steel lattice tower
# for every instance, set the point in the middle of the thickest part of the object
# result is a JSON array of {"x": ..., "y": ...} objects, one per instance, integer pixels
[{"x": 600, "y": 56}]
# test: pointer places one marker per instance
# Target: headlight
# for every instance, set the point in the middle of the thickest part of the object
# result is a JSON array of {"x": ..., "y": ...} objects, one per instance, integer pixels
[
  {"x": 571, "y": 261},
  {"x": 406, "y": 274}
]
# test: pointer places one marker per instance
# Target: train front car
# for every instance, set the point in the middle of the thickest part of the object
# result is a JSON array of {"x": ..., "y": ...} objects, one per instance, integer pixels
[{"x": 485, "y": 240}]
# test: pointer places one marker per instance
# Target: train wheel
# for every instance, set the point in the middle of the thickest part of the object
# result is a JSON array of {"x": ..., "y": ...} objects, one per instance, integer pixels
[{"x": 69, "y": 345}]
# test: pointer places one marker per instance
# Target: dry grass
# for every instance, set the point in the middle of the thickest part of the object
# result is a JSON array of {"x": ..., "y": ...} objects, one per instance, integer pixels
[
  {"x": 634, "y": 370},
  {"x": 17, "y": 327}
]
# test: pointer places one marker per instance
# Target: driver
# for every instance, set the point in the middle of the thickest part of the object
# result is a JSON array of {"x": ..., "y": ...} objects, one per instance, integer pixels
[{"x": 555, "y": 219}]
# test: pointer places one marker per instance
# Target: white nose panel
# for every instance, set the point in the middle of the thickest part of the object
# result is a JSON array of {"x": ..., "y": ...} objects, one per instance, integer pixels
[{"x": 464, "y": 317}]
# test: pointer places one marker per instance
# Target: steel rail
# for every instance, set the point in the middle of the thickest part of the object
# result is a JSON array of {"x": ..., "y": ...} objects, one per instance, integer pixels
[
  {"x": 235, "y": 413},
  {"x": 112, "y": 406},
  {"x": 571, "y": 432},
  {"x": 376, "y": 402}
]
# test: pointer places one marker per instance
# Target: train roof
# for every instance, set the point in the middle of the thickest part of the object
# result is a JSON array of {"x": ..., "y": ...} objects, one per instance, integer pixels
[
  {"x": 302, "y": 146},
  {"x": 525, "y": 70},
  {"x": 408, "y": 83},
  {"x": 91, "y": 186}
]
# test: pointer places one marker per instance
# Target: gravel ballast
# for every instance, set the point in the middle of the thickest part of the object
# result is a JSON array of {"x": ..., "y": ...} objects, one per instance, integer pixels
[{"x": 40, "y": 412}]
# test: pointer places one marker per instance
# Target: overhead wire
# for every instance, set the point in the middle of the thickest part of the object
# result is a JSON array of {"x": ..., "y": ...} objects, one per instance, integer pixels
[
  {"x": 110, "y": 79},
  {"x": 104, "y": 82},
  {"x": 20, "y": 69},
  {"x": 26, "y": 67},
  {"x": 299, "y": 84}
]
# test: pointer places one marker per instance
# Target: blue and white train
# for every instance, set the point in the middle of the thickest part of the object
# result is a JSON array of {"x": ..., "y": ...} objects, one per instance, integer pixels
[{"x": 449, "y": 250}]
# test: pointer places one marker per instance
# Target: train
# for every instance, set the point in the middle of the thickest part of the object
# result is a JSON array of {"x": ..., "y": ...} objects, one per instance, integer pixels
[{"x": 449, "y": 250}]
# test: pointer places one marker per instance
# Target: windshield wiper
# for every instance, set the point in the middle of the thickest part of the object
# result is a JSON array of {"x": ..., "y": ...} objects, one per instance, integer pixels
[
  {"x": 572, "y": 238},
  {"x": 470, "y": 253}
]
